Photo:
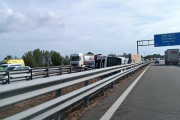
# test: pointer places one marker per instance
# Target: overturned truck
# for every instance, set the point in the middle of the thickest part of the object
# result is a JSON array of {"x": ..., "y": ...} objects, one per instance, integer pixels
[{"x": 101, "y": 61}]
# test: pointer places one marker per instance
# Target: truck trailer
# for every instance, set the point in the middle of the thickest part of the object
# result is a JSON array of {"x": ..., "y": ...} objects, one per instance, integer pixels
[
  {"x": 80, "y": 59},
  {"x": 132, "y": 58},
  {"x": 171, "y": 56}
]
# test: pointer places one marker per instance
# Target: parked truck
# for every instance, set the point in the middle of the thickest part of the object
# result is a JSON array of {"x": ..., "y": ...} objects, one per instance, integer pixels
[
  {"x": 171, "y": 56},
  {"x": 80, "y": 59}
]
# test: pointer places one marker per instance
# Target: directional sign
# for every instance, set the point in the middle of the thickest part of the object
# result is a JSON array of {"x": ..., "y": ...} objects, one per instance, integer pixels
[{"x": 168, "y": 39}]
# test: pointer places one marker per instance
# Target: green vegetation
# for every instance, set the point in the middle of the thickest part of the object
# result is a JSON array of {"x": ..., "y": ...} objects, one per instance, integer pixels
[
  {"x": 42, "y": 58},
  {"x": 154, "y": 56},
  {"x": 90, "y": 53},
  {"x": 9, "y": 57},
  {"x": 66, "y": 60}
]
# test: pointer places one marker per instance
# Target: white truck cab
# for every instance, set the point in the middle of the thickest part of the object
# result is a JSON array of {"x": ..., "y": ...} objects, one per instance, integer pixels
[
  {"x": 76, "y": 59},
  {"x": 80, "y": 59}
]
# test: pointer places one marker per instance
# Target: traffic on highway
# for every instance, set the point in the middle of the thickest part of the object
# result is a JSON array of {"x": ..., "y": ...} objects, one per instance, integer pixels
[
  {"x": 135, "y": 92},
  {"x": 89, "y": 60}
]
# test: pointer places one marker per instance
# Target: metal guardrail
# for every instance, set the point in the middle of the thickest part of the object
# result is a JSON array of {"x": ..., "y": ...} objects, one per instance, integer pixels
[
  {"x": 17, "y": 92},
  {"x": 41, "y": 72}
]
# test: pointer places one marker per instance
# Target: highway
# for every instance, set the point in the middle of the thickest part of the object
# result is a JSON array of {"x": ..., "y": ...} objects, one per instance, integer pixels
[{"x": 156, "y": 96}]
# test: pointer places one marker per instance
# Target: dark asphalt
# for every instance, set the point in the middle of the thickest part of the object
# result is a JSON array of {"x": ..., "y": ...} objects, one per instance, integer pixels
[{"x": 156, "y": 96}]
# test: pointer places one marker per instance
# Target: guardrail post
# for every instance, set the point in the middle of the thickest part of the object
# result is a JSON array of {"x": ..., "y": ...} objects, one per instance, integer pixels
[
  {"x": 70, "y": 69},
  {"x": 8, "y": 74},
  {"x": 47, "y": 69},
  {"x": 124, "y": 75},
  {"x": 57, "y": 115},
  {"x": 102, "y": 89},
  {"x": 119, "y": 78},
  {"x": 86, "y": 83},
  {"x": 112, "y": 83},
  {"x": 61, "y": 70},
  {"x": 86, "y": 99},
  {"x": 133, "y": 70},
  {"x": 58, "y": 93},
  {"x": 31, "y": 71}
]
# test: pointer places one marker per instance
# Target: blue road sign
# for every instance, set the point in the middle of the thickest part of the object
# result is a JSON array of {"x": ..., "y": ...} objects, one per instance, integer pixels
[{"x": 168, "y": 39}]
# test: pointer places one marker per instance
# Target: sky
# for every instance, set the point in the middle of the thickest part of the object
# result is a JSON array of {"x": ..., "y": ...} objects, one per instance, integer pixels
[{"x": 81, "y": 26}]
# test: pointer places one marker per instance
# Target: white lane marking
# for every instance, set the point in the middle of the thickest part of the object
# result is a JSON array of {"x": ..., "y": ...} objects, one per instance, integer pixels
[
  {"x": 171, "y": 67},
  {"x": 118, "y": 102}
]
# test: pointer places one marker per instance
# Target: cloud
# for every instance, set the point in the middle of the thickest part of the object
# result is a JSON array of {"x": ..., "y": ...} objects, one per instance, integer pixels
[
  {"x": 10, "y": 11},
  {"x": 19, "y": 22},
  {"x": 100, "y": 26}
]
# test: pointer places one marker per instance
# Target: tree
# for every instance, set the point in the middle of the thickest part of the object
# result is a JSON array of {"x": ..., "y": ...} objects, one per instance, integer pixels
[
  {"x": 154, "y": 56},
  {"x": 46, "y": 58},
  {"x": 28, "y": 60},
  {"x": 15, "y": 57},
  {"x": 8, "y": 57},
  {"x": 66, "y": 60},
  {"x": 37, "y": 56},
  {"x": 90, "y": 53},
  {"x": 56, "y": 58}
]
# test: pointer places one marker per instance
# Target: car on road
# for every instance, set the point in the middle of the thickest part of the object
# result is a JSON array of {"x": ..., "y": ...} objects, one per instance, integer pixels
[
  {"x": 90, "y": 65},
  {"x": 14, "y": 68},
  {"x": 147, "y": 60},
  {"x": 156, "y": 61}
]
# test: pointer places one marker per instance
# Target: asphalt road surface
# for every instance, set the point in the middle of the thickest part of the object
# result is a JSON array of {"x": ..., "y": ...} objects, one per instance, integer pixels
[{"x": 156, "y": 96}]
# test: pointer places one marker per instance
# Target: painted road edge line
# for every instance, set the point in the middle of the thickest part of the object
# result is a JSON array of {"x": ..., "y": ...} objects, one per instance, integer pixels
[{"x": 118, "y": 102}]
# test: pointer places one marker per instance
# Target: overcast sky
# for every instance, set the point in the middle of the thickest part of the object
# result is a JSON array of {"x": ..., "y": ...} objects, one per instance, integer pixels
[{"x": 73, "y": 26}]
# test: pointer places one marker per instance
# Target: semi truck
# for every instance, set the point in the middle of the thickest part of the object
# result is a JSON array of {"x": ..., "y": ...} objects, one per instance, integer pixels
[
  {"x": 102, "y": 61},
  {"x": 171, "y": 56},
  {"x": 80, "y": 59}
]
